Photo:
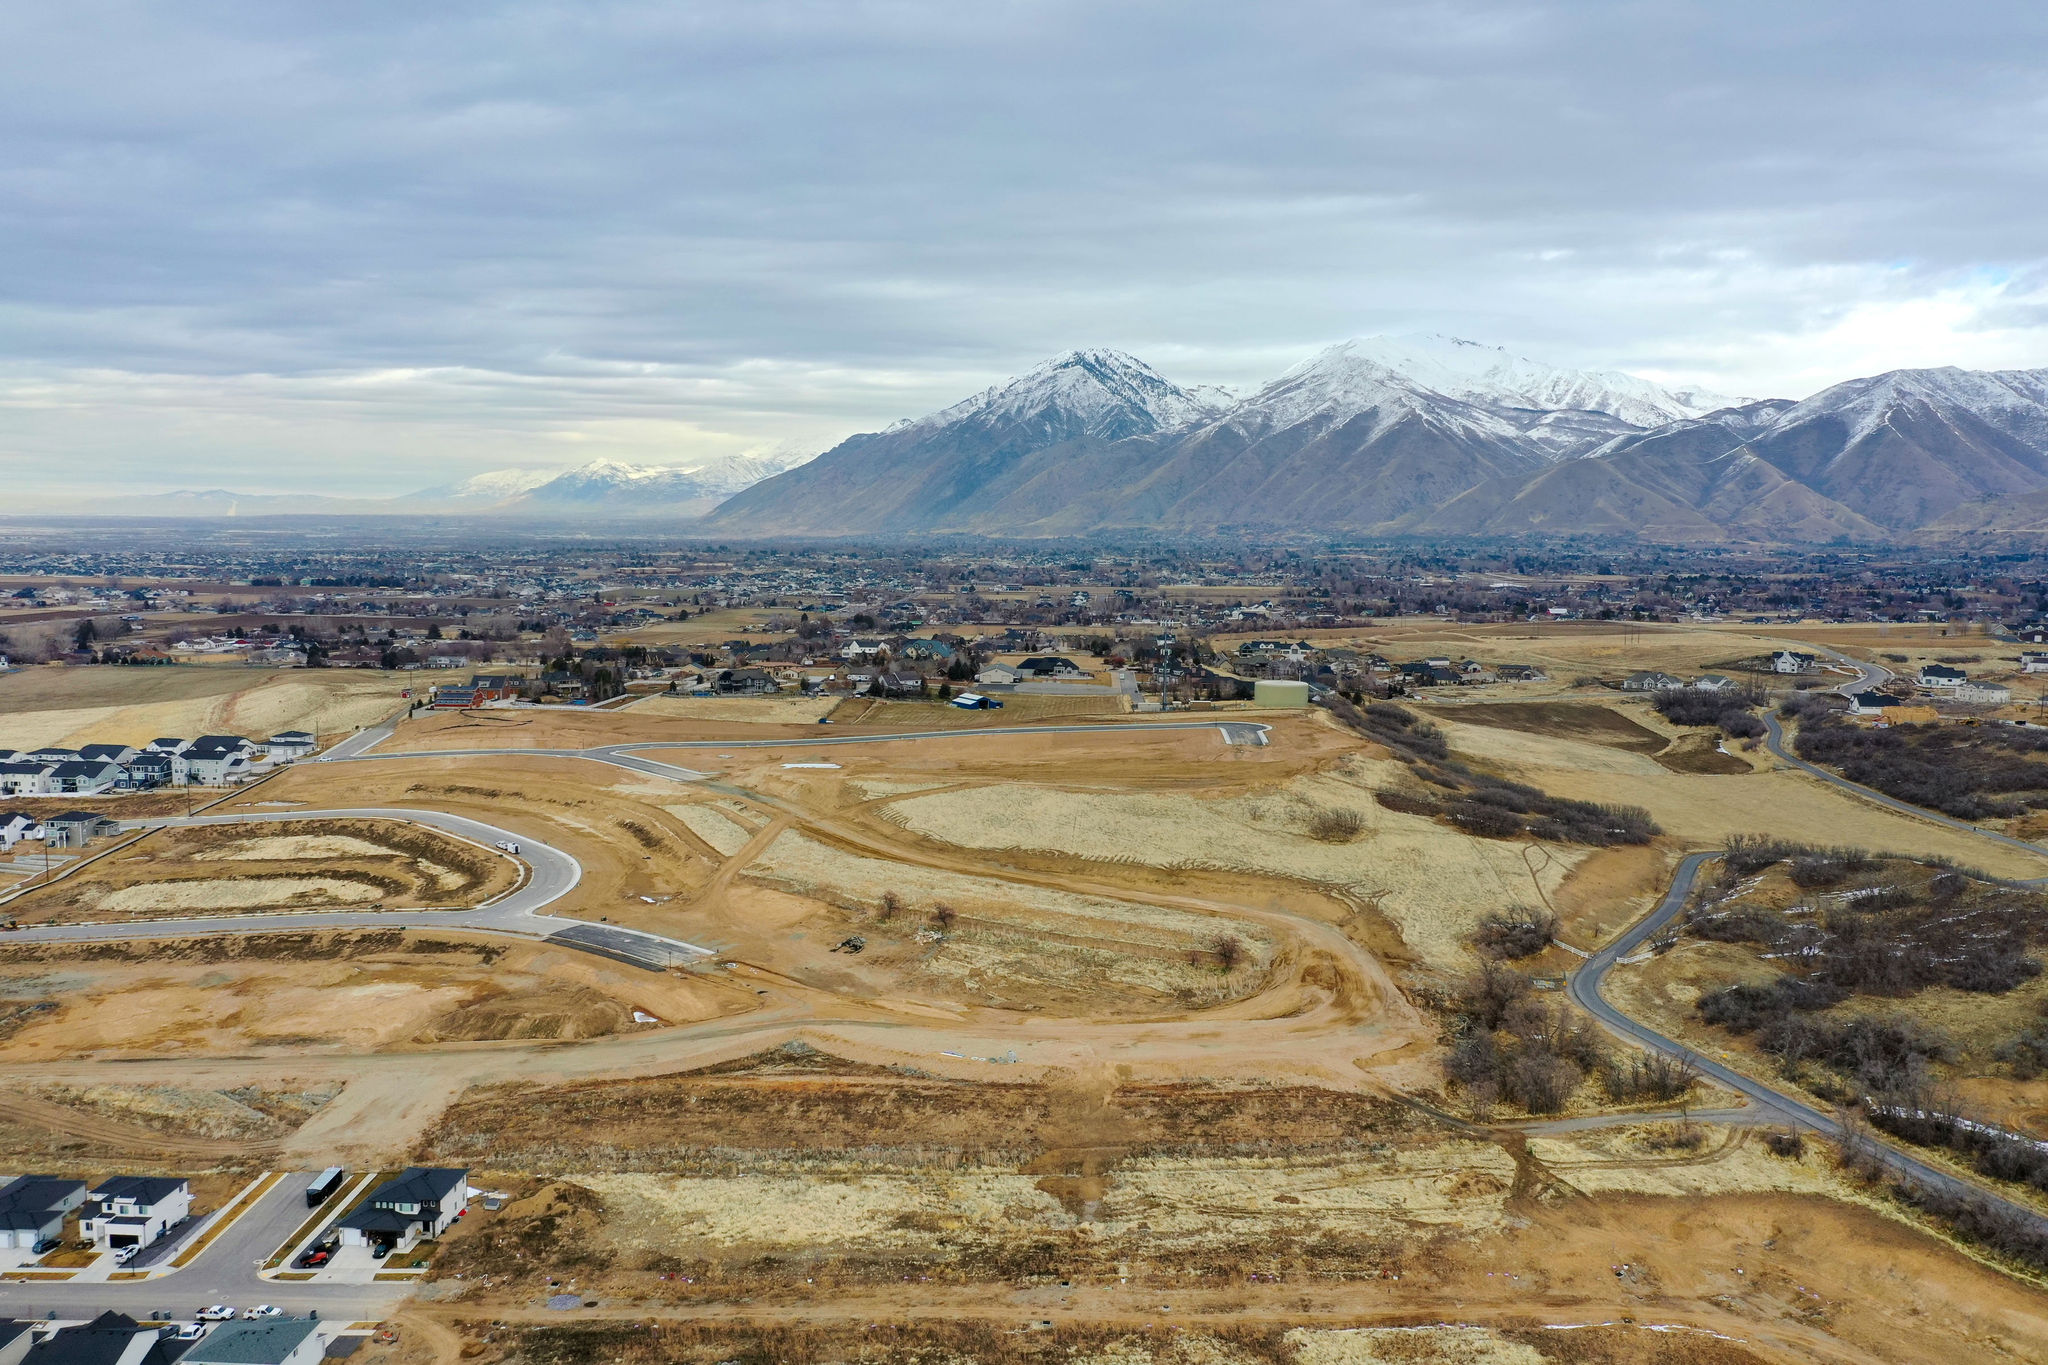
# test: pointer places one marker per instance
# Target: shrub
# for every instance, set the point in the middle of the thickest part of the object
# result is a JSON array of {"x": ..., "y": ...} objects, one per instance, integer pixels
[
  {"x": 1519, "y": 932},
  {"x": 1408, "y": 803},
  {"x": 1488, "y": 822},
  {"x": 1335, "y": 825},
  {"x": 1790, "y": 1145},
  {"x": 1649, "y": 1076}
]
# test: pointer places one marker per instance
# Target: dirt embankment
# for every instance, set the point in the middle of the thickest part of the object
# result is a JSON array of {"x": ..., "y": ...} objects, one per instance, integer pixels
[{"x": 295, "y": 865}]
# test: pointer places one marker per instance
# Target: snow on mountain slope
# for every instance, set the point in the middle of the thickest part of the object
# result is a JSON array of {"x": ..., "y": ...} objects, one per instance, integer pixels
[
  {"x": 2014, "y": 400},
  {"x": 1100, "y": 394},
  {"x": 1477, "y": 373},
  {"x": 494, "y": 485}
]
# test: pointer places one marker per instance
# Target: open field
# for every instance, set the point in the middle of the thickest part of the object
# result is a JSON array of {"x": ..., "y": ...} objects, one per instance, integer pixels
[
  {"x": 297, "y": 865},
  {"x": 74, "y": 706},
  {"x": 1299, "y": 1225},
  {"x": 329, "y": 993},
  {"x": 1018, "y": 709},
  {"x": 1141, "y": 1029}
]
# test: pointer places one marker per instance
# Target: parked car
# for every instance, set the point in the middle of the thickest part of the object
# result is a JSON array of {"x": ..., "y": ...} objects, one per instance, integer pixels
[
  {"x": 123, "y": 1255},
  {"x": 47, "y": 1245},
  {"x": 263, "y": 1310},
  {"x": 318, "y": 1256},
  {"x": 220, "y": 1312},
  {"x": 191, "y": 1331}
]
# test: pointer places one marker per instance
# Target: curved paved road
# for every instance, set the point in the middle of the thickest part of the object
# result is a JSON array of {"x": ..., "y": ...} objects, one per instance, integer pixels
[
  {"x": 1869, "y": 676},
  {"x": 553, "y": 874},
  {"x": 1584, "y": 989}
]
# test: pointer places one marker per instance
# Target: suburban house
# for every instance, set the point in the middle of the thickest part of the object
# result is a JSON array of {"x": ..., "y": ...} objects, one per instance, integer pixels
[
  {"x": 1650, "y": 681},
  {"x": 1520, "y": 673},
  {"x": 16, "y": 825},
  {"x": 215, "y": 760},
  {"x": 118, "y": 754},
  {"x": 1872, "y": 703},
  {"x": 83, "y": 778},
  {"x": 902, "y": 684},
  {"x": 1792, "y": 661},
  {"x": 15, "y": 1339},
  {"x": 289, "y": 745},
  {"x": 264, "y": 1341},
  {"x": 999, "y": 675},
  {"x": 32, "y": 1208},
  {"x": 494, "y": 686},
  {"x": 150, "y": 770},
  {"x": 1050, "y": 666},
  {"x": 420, "y": 1202},
  {"x": 109, "y": 1339},
  {"x": 76, "y": 828},
  {"x": 1983, "y": 693},
  {"x": 858, "y": 648},
  {"x": 24, "y": 778},
  {"x": 134, "y": 1210},
  {"x": 2033, "y": 661},
  {"x": 1714, "y": 682},
  {"x": 51, "y": 753},
  {"x": 747, "y": 682},
  {"x": 1941, "y": 675},
  {"x": 925, "y": 649},
  {"x": 451, "y": 698}
]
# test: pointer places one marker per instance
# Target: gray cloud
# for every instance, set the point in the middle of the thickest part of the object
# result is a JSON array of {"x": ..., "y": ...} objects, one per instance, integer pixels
[{"x": 252, "y": 244}]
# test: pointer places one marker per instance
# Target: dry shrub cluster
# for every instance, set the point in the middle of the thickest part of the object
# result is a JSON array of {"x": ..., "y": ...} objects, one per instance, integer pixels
[
  {"x": 1734, "y": 712},
  {"x": 1517, "y": 932},
  {"x": 1517, "y": 1048},
  {"x": 1883, "y": 1058},
  {"x": 1916, "y": 925},
  {"x": 1485, "y": 804},
  {"x": 930, "y": 1341},
  {"x": 1972, "y": 772},
  {"x": 1335, "y": 825}
]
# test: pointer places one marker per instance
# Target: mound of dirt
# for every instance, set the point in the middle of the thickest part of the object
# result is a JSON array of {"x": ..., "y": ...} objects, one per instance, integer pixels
[{"x": 563, "y": 1011}]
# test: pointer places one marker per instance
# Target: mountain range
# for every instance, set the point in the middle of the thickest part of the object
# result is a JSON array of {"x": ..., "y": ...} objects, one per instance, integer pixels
[
  {"x": 1433, "y": 435},
  {"x": 596, "y": 490}
]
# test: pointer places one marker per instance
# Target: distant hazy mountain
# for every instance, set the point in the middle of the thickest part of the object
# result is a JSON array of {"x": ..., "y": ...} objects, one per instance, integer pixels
[
  {"x": 1436, "y": 436},
  {"x": 605, "y": 487}
]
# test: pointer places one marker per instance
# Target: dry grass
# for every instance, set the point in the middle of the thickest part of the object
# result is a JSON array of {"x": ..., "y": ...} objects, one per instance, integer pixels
[{"x": 74, "y": 706}]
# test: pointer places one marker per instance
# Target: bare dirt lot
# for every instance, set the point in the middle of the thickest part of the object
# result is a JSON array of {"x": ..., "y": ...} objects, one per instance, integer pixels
[
  {"x": 322, "y": 993},
  {"x": 288, "y": 865},
  {"x": 749, "y": 1203}
]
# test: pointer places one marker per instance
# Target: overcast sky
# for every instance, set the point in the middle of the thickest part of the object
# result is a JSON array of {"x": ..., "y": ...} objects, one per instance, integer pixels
[{"x": 371, "y": 246}]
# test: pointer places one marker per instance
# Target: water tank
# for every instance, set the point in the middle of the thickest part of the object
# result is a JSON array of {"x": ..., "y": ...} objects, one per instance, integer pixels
[{"x": 1279, "y": 692}]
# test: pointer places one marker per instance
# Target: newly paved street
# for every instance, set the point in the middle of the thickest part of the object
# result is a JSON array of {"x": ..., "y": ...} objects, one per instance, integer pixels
[{"x": 224, "y": 1273}]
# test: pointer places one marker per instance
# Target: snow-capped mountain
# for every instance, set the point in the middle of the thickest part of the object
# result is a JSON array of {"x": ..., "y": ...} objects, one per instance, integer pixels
[
  {"x": 1428, "y": 435},
  {"x": 1493, "y": 376},
  {"x": 1106, "y": 395},
  {"x": 609, "y": 486},
  {"x": 945, "y": 466}
]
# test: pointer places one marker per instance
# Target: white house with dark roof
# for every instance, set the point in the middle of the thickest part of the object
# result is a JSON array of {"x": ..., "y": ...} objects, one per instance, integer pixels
[
  {"x": 134, "y": 1210},
  {"x": 1941, "y": 675},
  {"x": 32, "y": 1208},
  {"x": 419, "y": 1203},
  {"x": 290, "y": 744}
]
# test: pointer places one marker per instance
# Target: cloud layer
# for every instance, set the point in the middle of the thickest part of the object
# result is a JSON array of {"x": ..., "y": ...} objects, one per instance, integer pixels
[{"x": 361, "y": 247}]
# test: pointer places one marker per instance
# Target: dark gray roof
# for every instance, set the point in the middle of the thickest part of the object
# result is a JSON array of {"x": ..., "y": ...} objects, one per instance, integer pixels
[
  {"x": 37, "y": 1194},
  {"x": 143, "y": 1189},
  {"x": 103, "y": 1341},
  {"x": 265, "y": 1341},
  {"x": 420, "y": 1185}
]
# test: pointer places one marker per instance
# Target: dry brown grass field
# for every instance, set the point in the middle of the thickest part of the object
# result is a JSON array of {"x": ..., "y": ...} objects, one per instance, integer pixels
[
  {"x": 73, "y": 706},
  {"x": 1140, "y": 1058}
]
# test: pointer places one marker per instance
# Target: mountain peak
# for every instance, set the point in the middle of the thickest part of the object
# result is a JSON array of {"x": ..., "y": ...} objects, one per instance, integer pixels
[
  {"x": 1096, "y": 393},
  {"x": 1475, "y": 372}
]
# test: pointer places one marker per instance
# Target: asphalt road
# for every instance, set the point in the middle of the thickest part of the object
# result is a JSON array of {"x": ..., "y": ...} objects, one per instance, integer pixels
[
  {"x": 1584, "y": 989},
  {"x": 1870, "y": 676},
  {"x": 223, "y": 1273},
  {"x": 553, "y": 875}
]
